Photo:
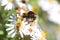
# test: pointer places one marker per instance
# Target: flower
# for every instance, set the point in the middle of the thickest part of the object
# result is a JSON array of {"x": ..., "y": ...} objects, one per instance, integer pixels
[
  {"x": 14, "y": 26},
  {"x": 36, "y": 33},
  {"x": 52, "y": 7},
  {"x": 46, "y": 4},
  {"x": 8, "y": 4},
  {"x": 54, "y": 14},
  {"x": 24, "y": 29}
]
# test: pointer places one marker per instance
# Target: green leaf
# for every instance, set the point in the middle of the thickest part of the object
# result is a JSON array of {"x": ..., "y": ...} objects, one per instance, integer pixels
[{"x": 1, "y": 32}]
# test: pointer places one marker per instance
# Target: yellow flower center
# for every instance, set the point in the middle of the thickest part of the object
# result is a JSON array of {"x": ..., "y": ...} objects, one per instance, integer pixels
[
  {"x": 10, "y": 1},
  {"x": 19, "y": 23},
  {"x": 19, "y": 19}
]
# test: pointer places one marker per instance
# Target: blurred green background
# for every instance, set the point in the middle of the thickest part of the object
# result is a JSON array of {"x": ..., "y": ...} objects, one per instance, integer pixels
[{"x": 51, "y": 28}]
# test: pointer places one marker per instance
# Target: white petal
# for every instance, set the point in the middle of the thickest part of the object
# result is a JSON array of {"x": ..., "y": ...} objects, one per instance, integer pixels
[
  {"x": 25, "y": 32},
  {"x": 21, "y": 34},
  {"x": 11, "y": 16},
  {"x": 29, "y": 7},
  {"x": 10, "y": 20},
  {"x": 11, "y": 32},
  {"x": 11, "y": 25},
  {"x": 9, "y": 28},
  {"x": 9, "y": 6},
  {"x": 4, "y": 2}
]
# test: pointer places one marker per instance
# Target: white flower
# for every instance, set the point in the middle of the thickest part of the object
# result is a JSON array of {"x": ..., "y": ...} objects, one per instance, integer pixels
[
  {"x": 52, "y": 7},
  {"x": 33, "y": 31},
  {"x": 46, "y": 4},
  {"x": 26, "y": 29},
  {"x": 36, "y": 33},
  {"x": 54, "y": 14},
  {"x": 12, "y": 29},
  {"x": 8, "y": 4}
]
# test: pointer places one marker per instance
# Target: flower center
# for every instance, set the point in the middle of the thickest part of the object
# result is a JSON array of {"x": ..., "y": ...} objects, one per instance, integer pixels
[
  {"x": 19, "y": 20},
  {"x": 18, "y": 26}
]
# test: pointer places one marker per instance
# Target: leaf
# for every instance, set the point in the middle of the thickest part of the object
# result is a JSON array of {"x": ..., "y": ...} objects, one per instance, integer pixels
[{"x": 1, "y": 32}]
